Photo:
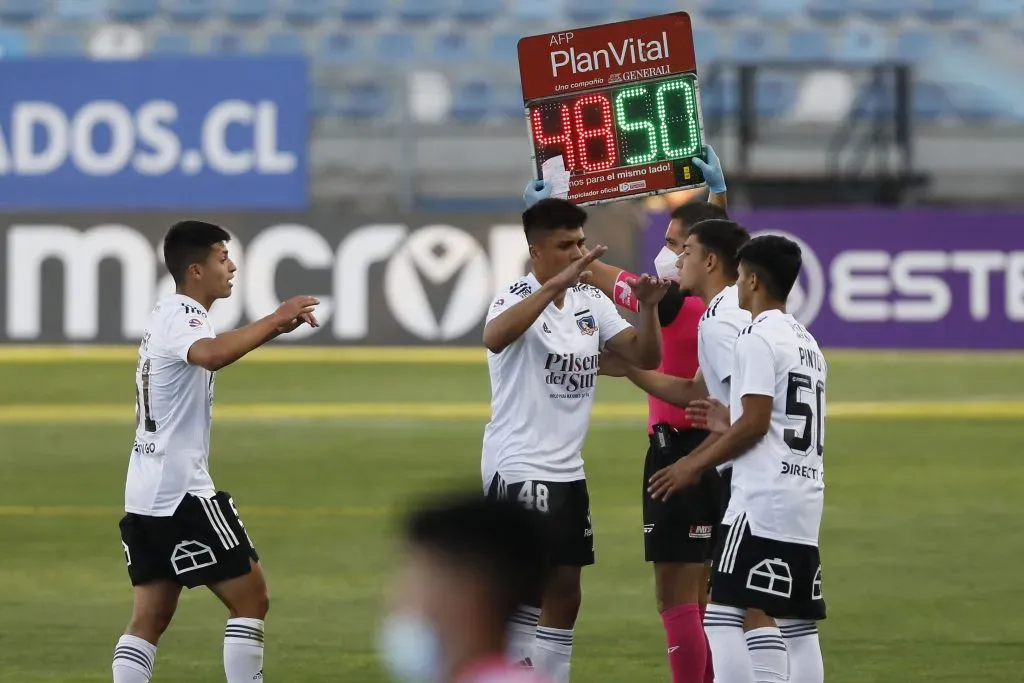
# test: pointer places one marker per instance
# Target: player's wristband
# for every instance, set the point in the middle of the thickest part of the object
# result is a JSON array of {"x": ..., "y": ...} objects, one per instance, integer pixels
[{"x": 624, "y": 293}]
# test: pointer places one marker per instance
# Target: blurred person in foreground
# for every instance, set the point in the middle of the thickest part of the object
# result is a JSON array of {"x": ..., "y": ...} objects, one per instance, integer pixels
[
  {"x": 179, "y": 530},
  {"x": 544, "y": 333},
  {"x": 467, "y": 565},
  {"x": 678, "y": 536}
]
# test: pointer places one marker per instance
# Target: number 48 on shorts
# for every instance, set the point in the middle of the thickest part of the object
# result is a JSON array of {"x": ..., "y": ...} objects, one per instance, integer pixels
[{"x": 565, "y": 506}]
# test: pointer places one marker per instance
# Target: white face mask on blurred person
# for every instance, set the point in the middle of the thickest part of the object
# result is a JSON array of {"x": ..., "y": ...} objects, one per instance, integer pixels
[
  {"x": 411, "y": 649},
  {"x": 665, "y": 264}
]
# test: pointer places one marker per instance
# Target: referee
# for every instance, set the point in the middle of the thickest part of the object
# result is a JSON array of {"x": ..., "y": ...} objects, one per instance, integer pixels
[{"x": 677, "y": 532}]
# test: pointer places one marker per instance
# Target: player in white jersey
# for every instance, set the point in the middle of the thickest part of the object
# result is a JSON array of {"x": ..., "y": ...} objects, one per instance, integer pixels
[
  {"x": 708, "y": 267},
  {"x": 768, "y": 559},
  {"x": 179, "y": 530},
  {"x": 544, "y": 334},
  {"x": 466, "y": 566}
]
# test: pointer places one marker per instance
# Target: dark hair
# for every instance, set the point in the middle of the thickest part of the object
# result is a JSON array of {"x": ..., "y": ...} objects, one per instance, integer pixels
[
  {"x": 503, "y": 543},
  {"x": 549, "y": 215},
  {"x": 189, "y": 242},
  {"x": 776, "y": 261},
  {"x": 722, "y": 238},
  {"x": 691, "y": 213}
]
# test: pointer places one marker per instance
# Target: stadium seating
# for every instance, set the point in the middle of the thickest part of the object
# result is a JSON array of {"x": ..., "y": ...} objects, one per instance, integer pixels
[
  {"x": 191, "y": 11},
  {"x": 456, "y": 36},
  {"x": 361, "y": 11},
  {"x": 133, "y": 10},
  {"x": 72, "y": 11},
  {"x": 172, "y": 44}
]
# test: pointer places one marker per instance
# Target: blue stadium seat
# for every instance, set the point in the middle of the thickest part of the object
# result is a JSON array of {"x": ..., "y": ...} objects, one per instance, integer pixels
[
  {"x": 828, "y": 10},
  {"x": 191, "y": 11},
  {"x": 420, "y": 11},
  {"x": 505, "y": 48},
  {"x": 776, "y": 95},
  {"x": 536, "y": 10},
  {"x": 969, "y": 37},
  {"x": 945, "y": 10},
  {"x": 454, "y": 47},
  {"x": 587, "y": 12},
  {"x": 725, "y": 10},
  {"x": 61, "y": 44},
  {"x": 752, "y": 45},
  {"x": 719, "y": 98},
  {"x": 705, "y": 44},
  {"x": 364, "y": 100},
  {"x": 508, "y": 101},
  {"x": 931, "y": 102},
  {"x": 79, "y": 10},
  {"x": 872, "y": 103},
  {"x": 322, "y": 101},
  {"x": 886, "y": 10},
  {"x": 999, "y": 11},
  {"x": 477, "y": 11},
  {"x": 172, "y": 43},
  {"x": 227, "y": 44},
  {"x": 975, "y": 104},
  {"x": 859, "y": 45},
  {"x": 396, "y": 48},
  {"x": 914, "y": 45},
  {"x": 808, "y": 45},
  {"x": 341, "y": 48},
  {"x": 248, "y": 11},
  {"x": 780, "y": 10},
  {"x": 284, "y": 43},
  {"x": 133, "y": 10},
  {"x": 362, "y": 11},
  {"x": 471, "y": 101},
  {"x": 305, "y": 12},
  {"x": 13, "y": 44},
  {"x": 637, "y": 9},
  {"x": 18, "y": 11}
]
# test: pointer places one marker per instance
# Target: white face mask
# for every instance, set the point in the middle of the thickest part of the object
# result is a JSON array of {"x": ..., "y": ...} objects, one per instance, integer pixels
[
  {"x": 665, "y": 264},
  {"x": 411, "y": 649}
]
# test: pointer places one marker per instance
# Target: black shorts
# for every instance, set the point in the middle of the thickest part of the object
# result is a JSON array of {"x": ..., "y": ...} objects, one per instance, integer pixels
[
  {"x": 782, "y": 579},
  {"x": 680, "y": 528},
  {"x": 565, "y": 506},
  {"x": 202, "y": 543}
]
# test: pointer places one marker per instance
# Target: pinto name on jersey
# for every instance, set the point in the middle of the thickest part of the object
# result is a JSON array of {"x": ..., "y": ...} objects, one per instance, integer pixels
[{"x": 779, "y": 483}]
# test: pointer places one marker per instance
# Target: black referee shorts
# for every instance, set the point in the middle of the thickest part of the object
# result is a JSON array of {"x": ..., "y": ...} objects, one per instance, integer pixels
[{"x": 680, "y": 529}]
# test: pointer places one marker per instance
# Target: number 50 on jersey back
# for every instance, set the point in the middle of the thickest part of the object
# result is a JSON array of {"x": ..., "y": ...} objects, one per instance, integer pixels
[{"x": 620, "y": 103}]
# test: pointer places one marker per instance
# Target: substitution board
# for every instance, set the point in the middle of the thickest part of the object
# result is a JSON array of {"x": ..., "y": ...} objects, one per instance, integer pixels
[{"x": 620, "y": 103}]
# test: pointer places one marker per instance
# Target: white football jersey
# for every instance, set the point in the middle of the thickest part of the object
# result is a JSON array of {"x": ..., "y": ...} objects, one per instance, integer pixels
[
  {"x": 717, "y": 332},
  {"x": 171, "y": 454},
  {"x": 543, "y": 385},
  {"x": 779, "y": 483}
]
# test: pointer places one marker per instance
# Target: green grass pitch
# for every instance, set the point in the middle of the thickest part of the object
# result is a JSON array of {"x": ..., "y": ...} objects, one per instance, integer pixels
[{"x": 922, "y": 544}]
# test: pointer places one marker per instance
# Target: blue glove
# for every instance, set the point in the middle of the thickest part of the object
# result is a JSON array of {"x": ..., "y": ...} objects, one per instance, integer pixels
[
  {"x": 535, "y": 191},
  {"x": 712, "y": 170}
]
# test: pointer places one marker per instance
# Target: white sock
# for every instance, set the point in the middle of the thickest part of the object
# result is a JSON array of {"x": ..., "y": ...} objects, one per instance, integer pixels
[
  {"x": 243, "y": 650},
  {"x": 768, "y": 654},
  {"x": 522, "y": 635},
  {"x": 133, "y": 660},
  {"x": 805, "y": 663},
  {"x": 724, "y": 626},
  {"x": 552, "y": 653}
]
